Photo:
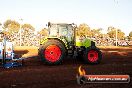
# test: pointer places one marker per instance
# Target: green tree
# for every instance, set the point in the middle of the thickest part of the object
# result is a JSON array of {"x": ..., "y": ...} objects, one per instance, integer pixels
[
  {"x": 130, "y": 35},
  {"x": 83, "y": 29},
  {"x": 112, "y": 33},
  {"x": 28, "y": 27},
  {"x": 96, "y": 32},
  {"x": 110, "y": 28},
  {"x": 27, "y": 34},
  {"x": 12, "y": 26},
  {"x": 121, "y": 35},
  {"x": 43, "y": 32}
]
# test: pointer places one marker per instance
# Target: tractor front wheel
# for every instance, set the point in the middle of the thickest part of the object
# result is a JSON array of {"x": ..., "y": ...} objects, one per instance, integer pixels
[{"x": 92, "y": 55}]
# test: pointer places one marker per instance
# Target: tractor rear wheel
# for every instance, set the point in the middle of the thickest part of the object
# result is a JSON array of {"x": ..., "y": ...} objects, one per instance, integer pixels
[
  {"x": 52, "y": 52},
  {"x": 92, "y": 55}
]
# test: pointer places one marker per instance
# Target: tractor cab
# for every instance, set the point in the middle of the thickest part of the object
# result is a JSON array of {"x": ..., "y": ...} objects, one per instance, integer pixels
[{"x": 62, "y": 31}]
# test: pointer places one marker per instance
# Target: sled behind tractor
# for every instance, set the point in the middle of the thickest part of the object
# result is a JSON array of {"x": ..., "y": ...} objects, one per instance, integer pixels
[
  {"x": 63, "y": 41},
  {"x": 7, "y": 55}
]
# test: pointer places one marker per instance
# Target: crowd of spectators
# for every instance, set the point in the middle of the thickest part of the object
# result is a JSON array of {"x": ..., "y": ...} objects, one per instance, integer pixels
[
  {"x": 111, "y": 42},
  {"x": 34, "y": 40}
]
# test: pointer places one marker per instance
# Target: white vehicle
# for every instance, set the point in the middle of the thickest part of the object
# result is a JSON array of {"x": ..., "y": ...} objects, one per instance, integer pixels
[{"x": 7, "y": 56}]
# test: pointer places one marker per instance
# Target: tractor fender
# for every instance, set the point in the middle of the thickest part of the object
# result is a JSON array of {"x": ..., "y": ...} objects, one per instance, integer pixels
[{"x": 63, "y": 41}]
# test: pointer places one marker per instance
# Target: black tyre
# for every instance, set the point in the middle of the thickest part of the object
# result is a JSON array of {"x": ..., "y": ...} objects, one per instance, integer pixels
[
  {"x": 52, "y": 52},
  {"x": 92, "y": 55}
]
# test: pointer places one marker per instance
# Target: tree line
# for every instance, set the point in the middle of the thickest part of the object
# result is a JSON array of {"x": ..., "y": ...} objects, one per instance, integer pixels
[
  {"x": 13, "y": 29},
  {"x": 84, "y": 29}
]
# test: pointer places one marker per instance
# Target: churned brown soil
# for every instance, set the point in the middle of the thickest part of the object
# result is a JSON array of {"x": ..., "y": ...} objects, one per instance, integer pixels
[{"x": 35, "y": 74}]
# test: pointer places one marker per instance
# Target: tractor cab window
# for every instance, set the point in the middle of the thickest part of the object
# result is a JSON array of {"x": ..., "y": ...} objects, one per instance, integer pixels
[
  {"x": 66, "y": 31},
  {"x": 62, "y": 30},
  {"x": 70, "y": 31}
]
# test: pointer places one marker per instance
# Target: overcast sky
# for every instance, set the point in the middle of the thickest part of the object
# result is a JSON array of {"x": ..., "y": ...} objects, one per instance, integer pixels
[{"x": 96, "y": 13}]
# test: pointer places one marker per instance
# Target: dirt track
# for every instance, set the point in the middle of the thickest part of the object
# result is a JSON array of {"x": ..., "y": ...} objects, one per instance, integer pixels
[{"x": 34, "y": 74}]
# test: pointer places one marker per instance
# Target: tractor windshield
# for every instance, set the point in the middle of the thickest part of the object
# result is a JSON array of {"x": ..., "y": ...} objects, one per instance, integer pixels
[
  {"x": 66, "y": 31},
  {"x": 62, "y": 30}
]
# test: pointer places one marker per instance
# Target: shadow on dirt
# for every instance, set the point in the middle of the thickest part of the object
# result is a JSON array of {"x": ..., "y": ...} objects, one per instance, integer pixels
[
  {"x": 20, "y": 53},
  {"x": 36, "y": 61}
]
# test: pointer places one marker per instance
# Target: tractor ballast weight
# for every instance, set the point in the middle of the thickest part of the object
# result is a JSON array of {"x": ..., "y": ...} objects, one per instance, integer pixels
[{"x": 63, "y": 41}]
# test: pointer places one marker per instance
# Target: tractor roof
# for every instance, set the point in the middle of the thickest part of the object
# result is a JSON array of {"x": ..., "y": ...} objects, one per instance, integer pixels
[{"x": 59, "y": 23}]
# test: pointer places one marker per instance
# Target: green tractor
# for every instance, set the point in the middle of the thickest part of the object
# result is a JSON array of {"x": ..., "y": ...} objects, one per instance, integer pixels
[{"x": 63, "y": 41}]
